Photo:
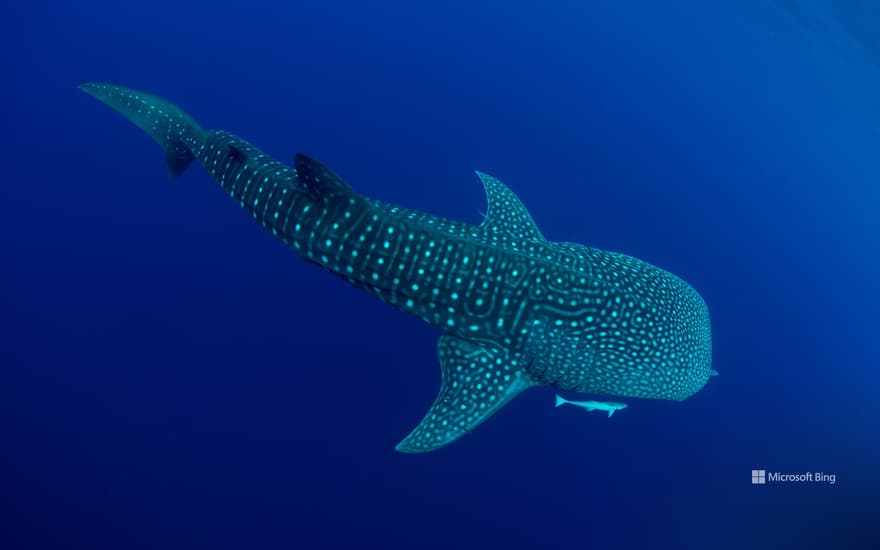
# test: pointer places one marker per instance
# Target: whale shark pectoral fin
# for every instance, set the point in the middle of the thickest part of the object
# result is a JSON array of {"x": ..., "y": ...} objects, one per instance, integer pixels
[
  {"x": 478, "y": 379},
  {"x": 506, "y": 214}
]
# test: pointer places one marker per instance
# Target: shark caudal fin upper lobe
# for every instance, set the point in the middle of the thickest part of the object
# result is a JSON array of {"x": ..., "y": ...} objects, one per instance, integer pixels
[{"x": 167, "y": 124}]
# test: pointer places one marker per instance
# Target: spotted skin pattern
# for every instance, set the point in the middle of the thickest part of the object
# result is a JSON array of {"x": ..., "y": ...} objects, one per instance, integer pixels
[{"x": 517, "y": 310}]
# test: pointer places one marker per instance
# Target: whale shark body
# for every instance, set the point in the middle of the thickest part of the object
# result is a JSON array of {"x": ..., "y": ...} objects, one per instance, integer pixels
[{"x": 517, "y": 310}]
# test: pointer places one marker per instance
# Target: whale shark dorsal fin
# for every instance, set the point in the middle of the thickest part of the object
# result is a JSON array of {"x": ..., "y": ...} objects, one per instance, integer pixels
[
  {"x": 506, "y": 214},
  {"x": 478, "y": 379},
  {"x": 319, "y": 180}
]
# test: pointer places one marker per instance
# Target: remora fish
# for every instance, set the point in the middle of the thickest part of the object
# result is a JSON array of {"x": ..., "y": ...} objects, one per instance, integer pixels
[{"x": 592, "y": 405}]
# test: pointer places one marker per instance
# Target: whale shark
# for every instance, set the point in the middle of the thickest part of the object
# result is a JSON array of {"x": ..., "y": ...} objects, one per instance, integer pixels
[
  {"x": 592, "y": 405},
  {"x": 517, "y": 310}
]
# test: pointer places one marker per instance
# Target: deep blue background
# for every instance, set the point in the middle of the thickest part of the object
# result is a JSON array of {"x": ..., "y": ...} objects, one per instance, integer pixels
[{"x": 172, "y": 377}]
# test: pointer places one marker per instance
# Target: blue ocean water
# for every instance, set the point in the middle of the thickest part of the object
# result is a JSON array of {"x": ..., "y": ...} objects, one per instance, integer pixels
[{"x": 173, "y": 377}]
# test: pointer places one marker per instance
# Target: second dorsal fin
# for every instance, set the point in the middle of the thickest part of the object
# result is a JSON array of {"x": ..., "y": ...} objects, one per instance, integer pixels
[{"x": 319, "y": 180}]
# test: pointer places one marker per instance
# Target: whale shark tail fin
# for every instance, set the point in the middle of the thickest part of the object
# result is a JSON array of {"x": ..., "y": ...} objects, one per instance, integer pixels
[
  {"x": 167, "y": 124},
  {"x": 560, "y": 400}
]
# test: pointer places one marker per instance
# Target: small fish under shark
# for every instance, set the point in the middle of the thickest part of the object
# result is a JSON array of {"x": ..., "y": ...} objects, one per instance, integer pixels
[
  {"x": 592, "y": 405},
  {"x": 517, "y": 310}
]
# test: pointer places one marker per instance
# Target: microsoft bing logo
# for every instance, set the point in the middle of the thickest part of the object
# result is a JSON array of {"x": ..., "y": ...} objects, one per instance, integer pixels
[{"x": 762, "y": 477}]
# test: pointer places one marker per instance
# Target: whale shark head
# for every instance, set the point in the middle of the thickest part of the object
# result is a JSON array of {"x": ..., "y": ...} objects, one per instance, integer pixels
[{"x": 684, "y": 348}]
